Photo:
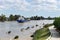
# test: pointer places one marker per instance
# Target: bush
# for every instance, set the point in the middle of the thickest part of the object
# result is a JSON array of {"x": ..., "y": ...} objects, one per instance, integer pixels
[{"x": 57, "y": 23}]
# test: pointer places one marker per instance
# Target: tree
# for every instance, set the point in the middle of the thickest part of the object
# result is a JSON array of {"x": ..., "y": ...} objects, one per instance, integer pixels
[
  {"x": 57, "y": 23},
  {"x": 2, "y": 18},
  {"x": 11, "y": 17},
  {"x": 41, "y": 17},
  {"x": 16, "y": 17},
  {"x": 37, "y": 18},
  {"x": 49, "y": 17}
]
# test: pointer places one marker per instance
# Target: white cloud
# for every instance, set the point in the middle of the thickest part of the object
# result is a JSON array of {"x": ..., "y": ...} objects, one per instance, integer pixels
[
  {"x": 35, "y": 5},
  {"x": 2, "y": 6}
]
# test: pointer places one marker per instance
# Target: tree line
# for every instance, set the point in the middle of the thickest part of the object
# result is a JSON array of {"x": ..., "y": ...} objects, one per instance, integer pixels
[
  {"x": 41, "y": 18},
  {"x": 15, "y": 17},
  {"x": 10, "y": 18}
]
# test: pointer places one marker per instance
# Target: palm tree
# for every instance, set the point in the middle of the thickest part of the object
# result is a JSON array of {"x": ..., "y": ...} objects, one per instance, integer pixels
[{"x": 2, "y": 18}]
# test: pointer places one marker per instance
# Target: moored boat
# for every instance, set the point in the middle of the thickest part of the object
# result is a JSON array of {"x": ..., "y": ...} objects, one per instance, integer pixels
[{"x": 21, "y": 20}]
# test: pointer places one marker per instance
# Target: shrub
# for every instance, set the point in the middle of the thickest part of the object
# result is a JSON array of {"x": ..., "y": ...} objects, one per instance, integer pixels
[{"x": 57, "y": 23}]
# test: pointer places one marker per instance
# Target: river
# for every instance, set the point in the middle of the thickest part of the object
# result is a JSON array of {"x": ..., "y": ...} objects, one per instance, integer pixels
[{"x": 20, "y": 29}]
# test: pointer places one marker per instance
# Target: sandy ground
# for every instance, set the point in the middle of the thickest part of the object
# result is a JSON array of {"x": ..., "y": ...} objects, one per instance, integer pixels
[{"x": 54, "y": 33}]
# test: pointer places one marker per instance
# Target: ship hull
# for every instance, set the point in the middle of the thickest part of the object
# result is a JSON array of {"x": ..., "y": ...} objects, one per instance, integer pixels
[{"x": 21, "y": 21}]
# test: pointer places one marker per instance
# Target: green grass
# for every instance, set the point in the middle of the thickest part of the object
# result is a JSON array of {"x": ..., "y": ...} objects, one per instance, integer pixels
[
  {"x": 41, "y": 34},
  {"x": 48, "y": 25}
]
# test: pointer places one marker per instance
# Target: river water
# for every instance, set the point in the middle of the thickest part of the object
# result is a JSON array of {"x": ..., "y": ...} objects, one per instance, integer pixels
[{"x": 16, "y": 28}]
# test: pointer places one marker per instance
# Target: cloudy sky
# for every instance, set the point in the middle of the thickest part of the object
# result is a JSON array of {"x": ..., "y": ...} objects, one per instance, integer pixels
[{"x": 30, "y": 7}]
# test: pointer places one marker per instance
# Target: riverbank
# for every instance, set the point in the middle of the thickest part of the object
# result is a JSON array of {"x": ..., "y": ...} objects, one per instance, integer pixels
[
  {"x": 16, "y": 27},
  {"x": 54, "y": 34},
  {"x": 41, "y": 34}
]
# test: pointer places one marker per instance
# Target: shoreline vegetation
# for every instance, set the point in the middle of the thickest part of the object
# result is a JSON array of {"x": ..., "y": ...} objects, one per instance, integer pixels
[
  {"x": 15, "y": 17},
  {"x": 57, "y": 24},
  {"x": 42, "y": 34}
]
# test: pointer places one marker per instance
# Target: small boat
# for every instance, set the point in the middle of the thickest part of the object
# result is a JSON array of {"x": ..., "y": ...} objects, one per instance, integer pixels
[{"x": 21, "y": 20}]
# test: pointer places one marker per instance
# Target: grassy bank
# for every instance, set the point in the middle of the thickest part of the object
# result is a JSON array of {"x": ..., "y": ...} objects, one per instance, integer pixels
[
  {"x": 41, "y": 34},
  {"x": 47, "y": 25}
]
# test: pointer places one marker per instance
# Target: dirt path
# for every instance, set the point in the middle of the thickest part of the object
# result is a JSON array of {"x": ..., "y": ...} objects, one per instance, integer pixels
[{"x": 54, "y": 33}]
